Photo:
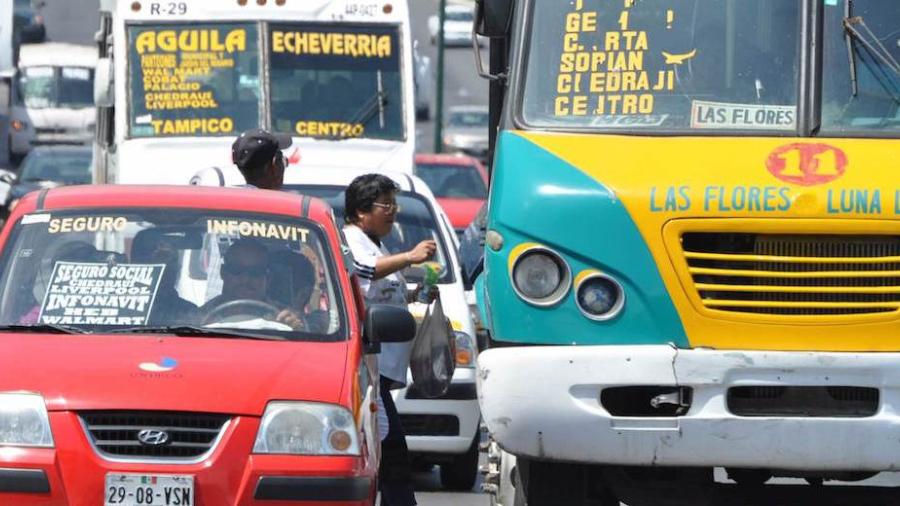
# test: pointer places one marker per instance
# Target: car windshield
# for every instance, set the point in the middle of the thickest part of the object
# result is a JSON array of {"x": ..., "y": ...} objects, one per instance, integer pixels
[
  {"x": 671, "y": 65},
  {"x": 65, "y": 87},
  {"x": 22, "y": 6},
  {"x": 198, "y": 272},
  {"x": 193, "y": 79},
  {"x": 415, "y": 222},
  {"x": 452, "y": 181},
  {"x": 861, "y": 88},
  {"x": 336, "y": 82},
  {"x": 468, "y": 119},
  {"x": 68, "y": 167}
]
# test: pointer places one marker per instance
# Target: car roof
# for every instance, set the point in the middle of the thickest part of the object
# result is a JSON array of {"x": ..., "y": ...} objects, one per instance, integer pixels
[
  {"x": 185, "y": 197},
  {"x": 468, "y": 108},
  {"x": 447, "y": 159},
  {"x": 344, "y": 176},
  {"x": 57, "y": 54}
]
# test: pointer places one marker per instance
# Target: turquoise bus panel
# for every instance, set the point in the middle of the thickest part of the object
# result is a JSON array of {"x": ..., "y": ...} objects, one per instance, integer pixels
[{"x": 538, "y": 198}]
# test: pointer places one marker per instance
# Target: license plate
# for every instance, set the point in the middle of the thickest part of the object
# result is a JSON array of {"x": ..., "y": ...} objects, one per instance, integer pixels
[{"x": 148, "y": 489}]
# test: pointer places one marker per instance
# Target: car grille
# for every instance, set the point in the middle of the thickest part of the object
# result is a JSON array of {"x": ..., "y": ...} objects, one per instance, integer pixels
[
  {"x": 430, "y": 425},
  {"x": 790, "y": 274},
  {"x": 190, "y": 435},
  {"x": 796, "y": 401}
]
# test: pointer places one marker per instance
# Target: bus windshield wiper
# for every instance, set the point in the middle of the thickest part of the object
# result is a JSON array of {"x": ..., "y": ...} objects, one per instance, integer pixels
[
  {"x": 195, "y": 331},
  {"x": 375, "y": 104},
  {"x": 43, "y": 328},
  {"x": 870, "y": 41}
]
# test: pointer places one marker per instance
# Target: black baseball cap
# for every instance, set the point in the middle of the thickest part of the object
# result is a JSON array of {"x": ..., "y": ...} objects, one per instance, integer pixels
[{"x": 256, "y": 147}]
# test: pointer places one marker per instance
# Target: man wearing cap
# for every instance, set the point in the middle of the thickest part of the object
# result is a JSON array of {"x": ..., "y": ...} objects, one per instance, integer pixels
[{"x": 257, "y": 155}]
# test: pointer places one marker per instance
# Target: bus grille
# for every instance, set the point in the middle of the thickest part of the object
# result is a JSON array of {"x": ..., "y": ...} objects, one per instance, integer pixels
[
  {"x": 189, "y": 435},
  {"x": 795, "y": 275}
]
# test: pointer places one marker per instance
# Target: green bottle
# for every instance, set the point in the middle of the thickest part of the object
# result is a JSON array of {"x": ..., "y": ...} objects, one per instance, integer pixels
[{"x": 432, "y": 274}]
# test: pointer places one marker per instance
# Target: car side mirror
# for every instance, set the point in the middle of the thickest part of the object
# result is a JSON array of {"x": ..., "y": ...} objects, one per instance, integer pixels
[
  {"x": 387, "y": 324},
  {"x": 493, "y": 17},
  {"x": 103, "y": 83},
  {"x": 7, "y": 177}
]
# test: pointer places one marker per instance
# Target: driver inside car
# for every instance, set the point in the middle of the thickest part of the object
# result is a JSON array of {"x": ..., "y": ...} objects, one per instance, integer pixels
[{"x": 244, "y": 272}]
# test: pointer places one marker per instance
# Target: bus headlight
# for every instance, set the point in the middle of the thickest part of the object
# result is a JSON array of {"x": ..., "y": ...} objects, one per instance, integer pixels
[
  {"x": 540, "y": 276},
  {"x": 599, "y": 297},
  {"x": 307, "y": 428},
  {"x": 24, "y": 420}
]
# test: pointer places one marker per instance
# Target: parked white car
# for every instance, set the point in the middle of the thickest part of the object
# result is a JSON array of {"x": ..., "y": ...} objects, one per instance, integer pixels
[
  {"x": 458, "y": 23},
  {"x": 53, "y": 98},
  {"x": 442, "y": 431}
]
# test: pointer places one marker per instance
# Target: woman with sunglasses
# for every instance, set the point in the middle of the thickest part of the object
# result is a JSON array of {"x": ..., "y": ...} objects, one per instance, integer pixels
[{"x": 370, "y": 209}]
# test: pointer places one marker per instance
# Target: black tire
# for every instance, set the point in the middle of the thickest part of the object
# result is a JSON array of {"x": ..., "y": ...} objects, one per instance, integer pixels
[
  {"x": 552, "y": 483},
  {"x": 460, "y": 474}
]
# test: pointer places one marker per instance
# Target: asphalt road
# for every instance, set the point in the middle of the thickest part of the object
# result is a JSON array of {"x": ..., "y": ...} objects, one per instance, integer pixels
[{"x": 77, "y": 20}]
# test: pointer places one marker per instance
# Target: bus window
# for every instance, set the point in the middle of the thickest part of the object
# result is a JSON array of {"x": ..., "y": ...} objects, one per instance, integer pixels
[
  {"x": 874, "y": 104},
  {"x": 193, "y": 80},
  {"x": 336, "y": 82},
  {"x": 670, "y": 65}
]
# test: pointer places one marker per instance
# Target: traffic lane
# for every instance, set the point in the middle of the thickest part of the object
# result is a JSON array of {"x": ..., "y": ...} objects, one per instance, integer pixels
[
  {"x": 73, "y": 21},
  {"x": 462, "y": 85}
]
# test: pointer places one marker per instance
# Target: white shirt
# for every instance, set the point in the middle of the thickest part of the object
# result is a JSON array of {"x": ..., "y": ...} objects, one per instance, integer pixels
[{"x": 393, "y": 361}]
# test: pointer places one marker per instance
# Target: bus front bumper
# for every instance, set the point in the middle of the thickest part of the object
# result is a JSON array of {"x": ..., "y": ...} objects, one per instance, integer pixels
[{"x": 545, "y": 402}]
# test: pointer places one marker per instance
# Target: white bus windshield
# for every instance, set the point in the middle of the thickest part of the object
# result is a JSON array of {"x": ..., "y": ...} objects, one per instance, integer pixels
[
  {"x": 336, "y": 81},
  {"x": 670, "y": 65},
  {"x": 193, "y": 79}
]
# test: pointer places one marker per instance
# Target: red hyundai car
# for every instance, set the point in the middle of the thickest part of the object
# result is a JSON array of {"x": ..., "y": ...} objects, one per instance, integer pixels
[
  {"x": 184, "y": 346},
  {"x": 459, "y": 182}
]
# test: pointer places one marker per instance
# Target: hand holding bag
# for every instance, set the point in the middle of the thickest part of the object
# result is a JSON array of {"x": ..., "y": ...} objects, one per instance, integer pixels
[{"x": 433, "y": 357}]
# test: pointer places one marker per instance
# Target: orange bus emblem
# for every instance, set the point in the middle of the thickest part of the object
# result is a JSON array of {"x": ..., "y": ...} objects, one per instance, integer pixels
[{"x": 807, "y": 164}]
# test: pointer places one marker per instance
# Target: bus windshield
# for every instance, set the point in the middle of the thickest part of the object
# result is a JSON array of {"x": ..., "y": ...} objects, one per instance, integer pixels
[
  {"x": 49, "y": 87},
  {"x": 193, "y": 79},
  {"x": 663, "y": 65},
  {"x": 861, "y": 88},
  {"x": 336, "y": 81}
]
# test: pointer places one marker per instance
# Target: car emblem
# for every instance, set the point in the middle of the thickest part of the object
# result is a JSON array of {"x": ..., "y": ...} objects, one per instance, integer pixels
[
  {"x": 153, "y": 437},
  {"x": 165, "y": 364}
]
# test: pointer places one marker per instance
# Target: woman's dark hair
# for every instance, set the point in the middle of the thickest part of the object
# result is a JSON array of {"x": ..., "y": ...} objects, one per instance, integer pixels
[{"x": 364, "y": 191}]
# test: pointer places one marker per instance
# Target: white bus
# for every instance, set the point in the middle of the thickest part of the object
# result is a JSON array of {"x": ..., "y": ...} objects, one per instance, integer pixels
[{"x": 178, "y": 80}]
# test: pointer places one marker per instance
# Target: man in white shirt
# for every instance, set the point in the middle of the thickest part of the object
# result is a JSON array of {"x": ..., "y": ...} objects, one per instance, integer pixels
[{"x": 370, "y": 209}]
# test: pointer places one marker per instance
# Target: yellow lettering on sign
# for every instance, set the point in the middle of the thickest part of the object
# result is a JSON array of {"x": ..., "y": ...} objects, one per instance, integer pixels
[
  {"x": 257, "y": 229},
  {"x": 193, "y": 126},
  {"x": 356, "y": 45},
  {"x": 188, "y": 41},
  {"x": 336, "y": 129}
]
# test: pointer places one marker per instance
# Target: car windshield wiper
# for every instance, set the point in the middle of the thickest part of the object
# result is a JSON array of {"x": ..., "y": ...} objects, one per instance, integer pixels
[
  {"x": 375, "y": 104},
  {"x": 194, "y": 331},
  {"x": 43, "y": 328}
]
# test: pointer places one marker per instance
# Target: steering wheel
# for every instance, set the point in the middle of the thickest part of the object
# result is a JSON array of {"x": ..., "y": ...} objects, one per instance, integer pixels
[{"x": 255, "y": 307}]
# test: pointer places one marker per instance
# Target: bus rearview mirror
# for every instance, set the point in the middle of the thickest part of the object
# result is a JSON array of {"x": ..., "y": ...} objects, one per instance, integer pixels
[
  {"x": 103, "y": 83},
  {"x": 493, "y": 17}
]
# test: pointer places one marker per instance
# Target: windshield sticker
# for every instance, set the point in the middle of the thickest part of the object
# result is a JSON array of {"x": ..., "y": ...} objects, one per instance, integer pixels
[
  {"x": 100, "y": 294},
  {"x": 605, "y": 71},
  {"x": 649, "y": 120},
  {"x": 318, "y": 42},
  {"x": 184, "y": 78},
  {"x": 329, "y": 129},
  {"x": 262, "y": 230},
  {"x": 87, "y": 224},
  {"x": 724, "y": 116},
  {"x": 29, "y": 219}
]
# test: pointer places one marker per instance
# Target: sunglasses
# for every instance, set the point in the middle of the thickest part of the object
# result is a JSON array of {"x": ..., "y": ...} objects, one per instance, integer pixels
[
  {"x": 388, "y": 208},
  {"x": 255, "y": 271}
]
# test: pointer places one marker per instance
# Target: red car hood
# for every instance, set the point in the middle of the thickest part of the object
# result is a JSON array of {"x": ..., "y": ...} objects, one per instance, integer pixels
[
  {"x": 461, "y": 211},
  {"x": 234, "y": 376}
]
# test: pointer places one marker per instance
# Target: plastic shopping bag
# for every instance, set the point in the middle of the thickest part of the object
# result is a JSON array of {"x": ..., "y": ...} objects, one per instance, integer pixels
[{"x": 433, "y": 358}]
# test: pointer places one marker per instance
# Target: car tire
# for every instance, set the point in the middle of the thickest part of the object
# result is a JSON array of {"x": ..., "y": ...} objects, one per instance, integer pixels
[{"x": 460, "y": 474}]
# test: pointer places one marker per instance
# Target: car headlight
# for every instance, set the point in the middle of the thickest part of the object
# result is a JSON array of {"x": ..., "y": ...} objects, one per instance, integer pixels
[
  {"x": 599, "y": 297},
  {"x": 540, "y": 276},
  {"x": 307, "y": 428},
  {"x": 24, "y": 420},
  {"x": 465, "y": 349}
]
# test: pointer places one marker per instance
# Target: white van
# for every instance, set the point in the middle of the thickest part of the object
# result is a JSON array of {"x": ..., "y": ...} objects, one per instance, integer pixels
[{"x": 53, "y": 99}]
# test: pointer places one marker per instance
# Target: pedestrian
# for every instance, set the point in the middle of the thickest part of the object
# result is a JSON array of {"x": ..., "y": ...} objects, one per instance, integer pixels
[
  {"x": 370, "y": 210},
  {"x": 259, "y": 159}
]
